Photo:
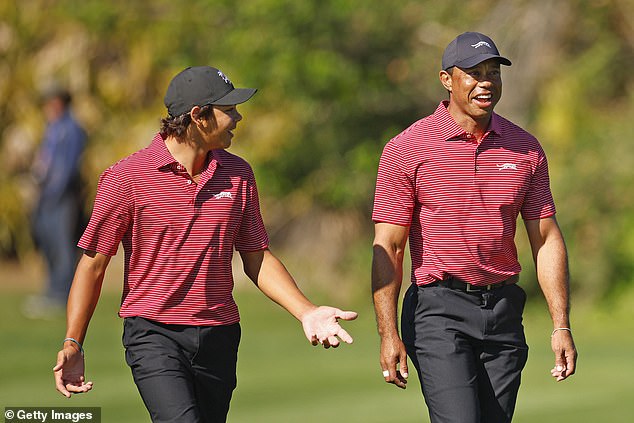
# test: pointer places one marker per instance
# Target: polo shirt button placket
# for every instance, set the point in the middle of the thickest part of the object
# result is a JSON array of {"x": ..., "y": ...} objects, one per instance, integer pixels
[
  {"x": 192, "y": 189},
  {"x": 475, "y": 156}
]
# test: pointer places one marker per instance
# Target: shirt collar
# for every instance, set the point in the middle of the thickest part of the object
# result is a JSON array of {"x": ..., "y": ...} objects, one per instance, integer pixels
[
  {"x": 451, "y": 130},
  {"x": 159, "y": 154},
  {"x": 217, "y": 155}
]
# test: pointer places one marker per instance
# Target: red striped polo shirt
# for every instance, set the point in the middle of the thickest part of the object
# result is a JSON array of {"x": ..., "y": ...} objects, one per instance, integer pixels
[
  {"x": 178, "y": 236},
  {"x": 460, "y": 199}
]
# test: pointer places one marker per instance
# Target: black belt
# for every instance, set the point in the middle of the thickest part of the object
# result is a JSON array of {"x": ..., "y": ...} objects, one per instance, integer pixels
[{"x": 454, "y": 283}]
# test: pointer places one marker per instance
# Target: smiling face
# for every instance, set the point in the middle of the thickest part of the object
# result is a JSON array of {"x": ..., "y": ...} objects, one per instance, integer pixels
[
  {"x": 216, "y": 129},
  {"x": 474, "y": 92},
  {"x": 226, "y": 118}
]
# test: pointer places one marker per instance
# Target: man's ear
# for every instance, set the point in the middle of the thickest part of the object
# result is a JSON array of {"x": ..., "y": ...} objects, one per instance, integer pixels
[
  {"x": 194, "y": 113},
  {"x": 445, "y": 79}
]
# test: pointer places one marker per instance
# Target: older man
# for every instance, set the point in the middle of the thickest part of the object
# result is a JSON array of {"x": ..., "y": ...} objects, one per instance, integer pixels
[{"x": 454, "y": 183}]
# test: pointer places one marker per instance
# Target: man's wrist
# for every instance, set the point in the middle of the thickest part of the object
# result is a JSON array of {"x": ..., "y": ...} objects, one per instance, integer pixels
[
  {"x": 306, "y": 310},
  {"x": 561, "y": 319},
  {"x": 562, "y": 329},
  {"x": 74, "y": 343},
  {"x": 388, "y": 333}
]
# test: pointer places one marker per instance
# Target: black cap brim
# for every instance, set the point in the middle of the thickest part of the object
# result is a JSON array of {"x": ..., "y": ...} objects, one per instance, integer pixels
[
  {"x": 235, "y": 96},
  {"x": 474, "y": 60}
]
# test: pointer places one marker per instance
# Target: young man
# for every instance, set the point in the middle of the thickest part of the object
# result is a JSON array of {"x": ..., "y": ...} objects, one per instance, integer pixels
[
  {"x": 454, "y": 184},
  {"x": 180, "y": 207}
]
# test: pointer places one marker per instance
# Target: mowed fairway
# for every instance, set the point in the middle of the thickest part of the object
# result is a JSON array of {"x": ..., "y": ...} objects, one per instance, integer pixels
[{"x": 281, "y": 378}]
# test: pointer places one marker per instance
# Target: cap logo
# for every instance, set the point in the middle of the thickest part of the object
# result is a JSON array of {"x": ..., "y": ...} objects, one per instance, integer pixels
[
  {"x": 480, "y": 44},
  {"x": 224, "y": 77}
]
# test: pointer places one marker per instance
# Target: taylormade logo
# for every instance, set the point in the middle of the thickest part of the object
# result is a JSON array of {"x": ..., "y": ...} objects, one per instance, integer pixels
[
  {"x": 224, "y": 77},
  {"x": 480, "y": 44}
]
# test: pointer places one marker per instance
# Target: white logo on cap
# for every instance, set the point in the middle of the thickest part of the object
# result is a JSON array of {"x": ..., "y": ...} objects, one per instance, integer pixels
[
  {"x": 480, "y": 44},
  {"x": 224, "y": 77}
]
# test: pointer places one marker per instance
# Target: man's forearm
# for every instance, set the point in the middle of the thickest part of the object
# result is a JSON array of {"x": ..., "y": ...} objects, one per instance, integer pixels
[
  {"x": 84, "y": 294},
  {"x": 387, "y": 274},
  {"x": 552, "y": 274},
  {"x": 274, "y": 280}
]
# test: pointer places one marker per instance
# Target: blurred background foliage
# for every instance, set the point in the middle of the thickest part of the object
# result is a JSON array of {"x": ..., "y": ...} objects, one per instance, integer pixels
[{"x": 337, "y": 79}]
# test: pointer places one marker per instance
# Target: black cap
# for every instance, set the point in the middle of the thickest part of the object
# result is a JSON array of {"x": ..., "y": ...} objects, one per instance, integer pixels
[
  {"x": 200, "y": 86},
  {"x": 469, "y": 49}
]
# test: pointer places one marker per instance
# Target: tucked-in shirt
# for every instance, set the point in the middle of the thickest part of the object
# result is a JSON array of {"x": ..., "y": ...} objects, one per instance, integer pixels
[
  {"x": 178, "y": 236},
  {"x": 461, "y": 198}
]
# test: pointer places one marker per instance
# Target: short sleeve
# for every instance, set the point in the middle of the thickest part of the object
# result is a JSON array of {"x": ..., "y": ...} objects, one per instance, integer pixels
[
  {"x": 111, "y": 215},
  {"x": 252, "y": 234},
  {"x": 394, "y": 196},
  {"x": 539, "y": 203}
]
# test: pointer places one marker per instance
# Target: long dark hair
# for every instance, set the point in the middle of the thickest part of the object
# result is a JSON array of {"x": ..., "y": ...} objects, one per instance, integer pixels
[{"x": 177, "y": 126}]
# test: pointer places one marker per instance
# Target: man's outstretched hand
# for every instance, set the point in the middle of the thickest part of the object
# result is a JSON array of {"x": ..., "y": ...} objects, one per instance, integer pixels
[{"x": 321, "y": 326}]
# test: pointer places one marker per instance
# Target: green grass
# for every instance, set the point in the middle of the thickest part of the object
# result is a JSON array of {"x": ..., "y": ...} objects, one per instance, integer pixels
[{"x": 281, "y": 378}]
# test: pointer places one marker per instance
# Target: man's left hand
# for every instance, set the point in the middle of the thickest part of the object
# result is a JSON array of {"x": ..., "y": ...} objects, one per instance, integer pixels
[
  {"x": 565, "y": 355},
  {"x": 321, "y": 326}
]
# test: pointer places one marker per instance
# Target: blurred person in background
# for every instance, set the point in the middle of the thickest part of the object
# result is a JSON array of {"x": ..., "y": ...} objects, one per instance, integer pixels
[
  {"x": 58, "y": 212},
  {"x": 454, "y": 183},
  {"x": 180, "y": 207}
]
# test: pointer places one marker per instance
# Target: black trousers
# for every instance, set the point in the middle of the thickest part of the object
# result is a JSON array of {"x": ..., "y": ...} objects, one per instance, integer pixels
[
  {"x": 183, "y": 373},
  {"x": 469, "y": 350}
]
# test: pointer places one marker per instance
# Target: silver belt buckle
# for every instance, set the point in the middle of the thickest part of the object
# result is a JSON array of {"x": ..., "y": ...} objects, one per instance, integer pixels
[{"x": 473, "y": 288}]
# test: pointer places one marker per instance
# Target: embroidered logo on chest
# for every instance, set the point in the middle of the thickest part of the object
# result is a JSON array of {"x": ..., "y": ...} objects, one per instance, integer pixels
[
  {"x": 224, "y": 194},
  {"x": 510, "y": 166}
]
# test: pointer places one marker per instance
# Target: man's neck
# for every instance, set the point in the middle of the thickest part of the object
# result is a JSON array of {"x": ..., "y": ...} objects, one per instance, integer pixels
[
  {"x": 477, "y": 127},
  {"x": 188, "y": 154}
]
